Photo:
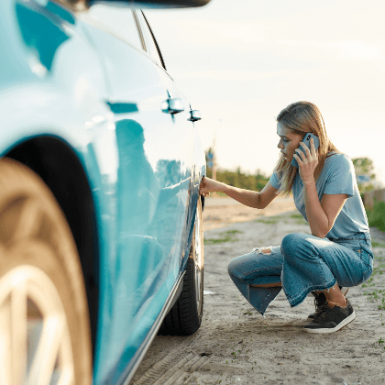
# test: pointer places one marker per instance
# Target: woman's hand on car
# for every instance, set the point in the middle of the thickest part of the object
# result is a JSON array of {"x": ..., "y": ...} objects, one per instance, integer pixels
[
  {"x": 208, "y": 185},
  {"x": 307, "y": 161}
]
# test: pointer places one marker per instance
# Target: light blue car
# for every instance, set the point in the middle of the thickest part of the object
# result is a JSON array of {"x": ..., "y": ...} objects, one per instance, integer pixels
[{"x": 101, "y": 240}]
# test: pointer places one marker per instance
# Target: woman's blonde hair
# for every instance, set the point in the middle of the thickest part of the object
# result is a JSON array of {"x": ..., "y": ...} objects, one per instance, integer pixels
[{"x": 303, "y": 117}]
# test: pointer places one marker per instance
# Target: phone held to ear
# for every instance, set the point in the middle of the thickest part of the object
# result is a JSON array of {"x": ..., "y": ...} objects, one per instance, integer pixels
[{"x": 306, "y": 140}]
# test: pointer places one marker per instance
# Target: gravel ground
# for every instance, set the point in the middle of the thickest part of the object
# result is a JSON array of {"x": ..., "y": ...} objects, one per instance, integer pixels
[
  {"x": 236, "y": 345},
  {"x": 221, "y": 212}
]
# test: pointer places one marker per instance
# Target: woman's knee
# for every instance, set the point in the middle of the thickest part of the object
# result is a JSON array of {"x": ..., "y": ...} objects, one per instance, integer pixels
[
  {"x": 230, "y": 267},
  {"x": 233, "y": 268},
  {"x": 291, "y": 243},
  {"x": 238, "y": 266}
]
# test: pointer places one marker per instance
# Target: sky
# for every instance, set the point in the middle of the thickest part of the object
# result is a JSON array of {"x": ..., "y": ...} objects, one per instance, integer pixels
[{"x": 241, "y": 62}]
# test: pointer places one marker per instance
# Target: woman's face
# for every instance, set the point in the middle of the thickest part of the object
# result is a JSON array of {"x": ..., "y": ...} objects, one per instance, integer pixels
[{"x": 289, "y": 140}]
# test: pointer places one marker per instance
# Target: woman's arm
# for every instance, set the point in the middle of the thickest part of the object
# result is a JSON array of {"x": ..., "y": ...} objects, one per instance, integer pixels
[
  {"x": 254, "y": 199},
  {"x": 320, "y": 215}
]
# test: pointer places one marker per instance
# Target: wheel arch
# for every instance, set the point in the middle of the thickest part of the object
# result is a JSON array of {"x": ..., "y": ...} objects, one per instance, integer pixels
[{"x": 61, "y": 170}]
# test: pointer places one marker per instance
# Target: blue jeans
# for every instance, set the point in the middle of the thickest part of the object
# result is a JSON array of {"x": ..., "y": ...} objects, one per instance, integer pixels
[{"x": 302, "y": 264}]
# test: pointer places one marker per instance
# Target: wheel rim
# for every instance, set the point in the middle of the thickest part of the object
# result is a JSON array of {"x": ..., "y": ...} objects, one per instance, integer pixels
[
  {"x": 198, "y": 262},
  {"x": 34, "y": 330}
]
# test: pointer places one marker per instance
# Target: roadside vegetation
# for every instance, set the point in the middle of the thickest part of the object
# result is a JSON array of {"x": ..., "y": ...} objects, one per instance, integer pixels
[
  {"x": 283, "y": 218},
  {"x": 367, "y": 182},
  {"x": 374, "y": 287},
  {"x": 366, "y": 178},
  {"x": 254, "y": 182},
  {"x": 268, "y": 220},
  {"x": 237, "y": 178},
  {"x": 228, "y": 236},
  {"x": 363, "y": 166},
  {"x": 376, "y": 215}
]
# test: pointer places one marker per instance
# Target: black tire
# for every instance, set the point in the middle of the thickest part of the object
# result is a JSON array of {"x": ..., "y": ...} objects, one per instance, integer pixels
[
  {"x": 185, "y": 317},
  {"x": 42, "y": 293}
]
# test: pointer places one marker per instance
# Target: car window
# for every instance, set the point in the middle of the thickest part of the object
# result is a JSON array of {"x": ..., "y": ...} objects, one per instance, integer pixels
[
  {"x": 151, "y": 44},
  {"x": 120, "y": 21}
]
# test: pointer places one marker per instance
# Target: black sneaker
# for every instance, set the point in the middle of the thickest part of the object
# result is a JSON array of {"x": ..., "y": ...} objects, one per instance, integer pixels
[
  {"x": 331, "y": 319},
  {"x": 320, "y": 301}
]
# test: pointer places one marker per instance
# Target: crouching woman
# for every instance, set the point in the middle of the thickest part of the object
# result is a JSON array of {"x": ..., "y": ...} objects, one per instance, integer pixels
[{"x": 337, "y": 255}]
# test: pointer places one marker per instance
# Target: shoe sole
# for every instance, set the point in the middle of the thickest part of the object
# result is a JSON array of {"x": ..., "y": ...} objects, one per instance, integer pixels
[{"x": 345, "y": 322}]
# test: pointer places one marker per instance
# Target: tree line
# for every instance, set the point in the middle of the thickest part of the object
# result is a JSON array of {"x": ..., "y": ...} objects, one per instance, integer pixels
[{"x": 366, "y": 179}]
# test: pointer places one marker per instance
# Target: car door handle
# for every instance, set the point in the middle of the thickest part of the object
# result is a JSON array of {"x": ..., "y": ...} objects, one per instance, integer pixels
[
  {"x": 173, "y": 106},
  {"x": 121, "y": 107},
  {"x": 195, "y": 115}
]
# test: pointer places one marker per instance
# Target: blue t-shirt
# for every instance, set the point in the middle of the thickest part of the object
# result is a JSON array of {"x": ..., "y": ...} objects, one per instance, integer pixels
[{"x": 337, "y": 177}]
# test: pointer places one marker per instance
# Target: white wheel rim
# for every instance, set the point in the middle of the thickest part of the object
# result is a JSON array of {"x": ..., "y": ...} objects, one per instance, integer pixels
[
  {"x": 198, "y": 262},
  {"x": 35, "y": 345}
]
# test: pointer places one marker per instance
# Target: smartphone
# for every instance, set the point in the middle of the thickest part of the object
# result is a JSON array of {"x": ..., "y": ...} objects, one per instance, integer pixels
[{"x": 306, "y": 140}]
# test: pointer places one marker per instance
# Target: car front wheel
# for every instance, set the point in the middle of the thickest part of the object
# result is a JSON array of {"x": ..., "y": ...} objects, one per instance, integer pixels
[{"x": 44, "y": 325}]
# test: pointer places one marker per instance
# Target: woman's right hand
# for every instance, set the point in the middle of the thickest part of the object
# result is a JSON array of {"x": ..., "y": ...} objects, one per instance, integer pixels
[{"x": 209, "y": 185}]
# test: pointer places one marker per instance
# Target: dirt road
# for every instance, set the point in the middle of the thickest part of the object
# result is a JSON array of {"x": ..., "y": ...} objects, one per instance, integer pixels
[
  {"x": 221, "y": 212},
  {"x": 236, "y": 345}
]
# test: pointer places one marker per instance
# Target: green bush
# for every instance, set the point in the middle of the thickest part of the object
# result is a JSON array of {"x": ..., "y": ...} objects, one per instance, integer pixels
[{"x": 376, "y": 215}]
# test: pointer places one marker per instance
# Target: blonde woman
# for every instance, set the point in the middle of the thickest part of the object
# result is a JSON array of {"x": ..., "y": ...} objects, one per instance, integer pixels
[{"x": 337, "y": 254}]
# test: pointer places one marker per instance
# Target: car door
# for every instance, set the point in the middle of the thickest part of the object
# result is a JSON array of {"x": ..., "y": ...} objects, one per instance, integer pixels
[
  {"x": 186, "y": 134},
  {"x": 154, "y": 175}
]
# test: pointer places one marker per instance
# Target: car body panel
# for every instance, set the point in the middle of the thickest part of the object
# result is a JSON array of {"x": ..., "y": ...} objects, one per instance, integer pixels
[
  {"x": 155, "y": 156},
  {"x": 65, "y": 78}
]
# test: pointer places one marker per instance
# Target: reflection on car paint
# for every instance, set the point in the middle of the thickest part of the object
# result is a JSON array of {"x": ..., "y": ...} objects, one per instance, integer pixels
[{"x": 40, "y": 34}]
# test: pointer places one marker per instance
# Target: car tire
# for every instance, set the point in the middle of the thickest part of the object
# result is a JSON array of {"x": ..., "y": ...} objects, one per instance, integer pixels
[
  {"x": 44, "y": 320},
  {"x": 185, "y": 317}
]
